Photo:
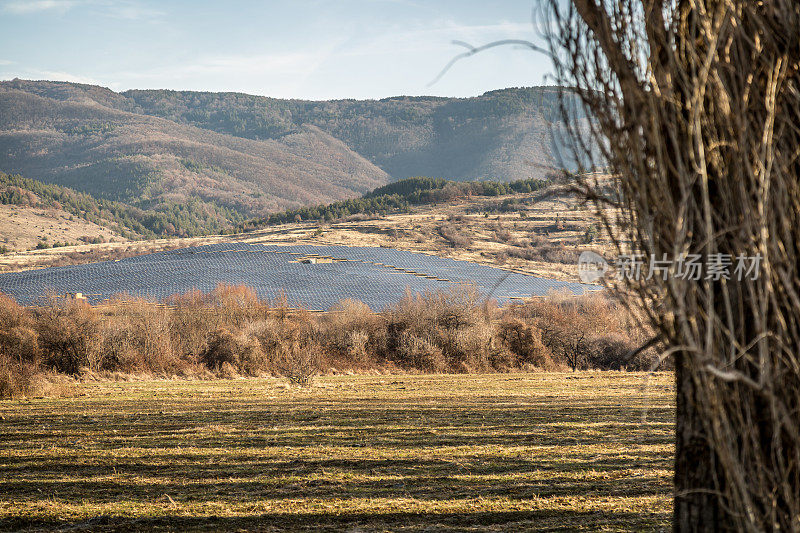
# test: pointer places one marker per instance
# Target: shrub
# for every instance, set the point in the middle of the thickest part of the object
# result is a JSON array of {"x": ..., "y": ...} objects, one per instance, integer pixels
[
  {"x": 15, "y": 379},
  {"x": 230, "y": 332},
  {"x": 420, "y": 353},
  {"x": 502, "y": 234},
  {"x": 456, "y": 322},
  {"x": 298, "y": 359},
  {"x": 352, "y": 331},
  {"x": 231, "y": 353},
  {"x": 18, "y": 338},
  {"x": 453, "y": 236},
  {"x": 139, "y": 338},
  {"x": 525, "y": 341},
  {"x": 69, "y": 337},
  {"x": 221, "y": 348},
  {"x": 190, "y": 324}
]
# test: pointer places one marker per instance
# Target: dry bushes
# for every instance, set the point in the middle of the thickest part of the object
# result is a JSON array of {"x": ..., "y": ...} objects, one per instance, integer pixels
[
  {"x": 456, "y": 327},
  {"x": 454, "y": 236},
  {"x": 230, "y": 332},
  {"x": 353, "y": 333},
  {"x": 69, "y": 336},
  {"x": 525, "y": 341},
  {"x": 501, "y": 233},
  {"x": 540, "y": 249},
  {"x": 137, "y": 337},
  {"x": 18, "y": 338},
  {"x": 234, "y": 353},
  {"x": 15, "y": 379},
  {"x": 580, "y": 333},
  {"x": 26, "y": 380},
  {"x": 291, "y": 346}
]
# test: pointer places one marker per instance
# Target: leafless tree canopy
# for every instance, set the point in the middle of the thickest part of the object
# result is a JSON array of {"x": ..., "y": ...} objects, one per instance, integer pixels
[{"x": 698, "y": 117}]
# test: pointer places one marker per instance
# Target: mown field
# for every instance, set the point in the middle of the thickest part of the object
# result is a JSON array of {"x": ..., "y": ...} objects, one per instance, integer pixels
[{"x": 548, "y": 451}]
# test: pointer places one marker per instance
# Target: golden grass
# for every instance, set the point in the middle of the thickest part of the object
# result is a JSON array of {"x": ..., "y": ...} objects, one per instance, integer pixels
[
  {"x": 22, "y": 227},
  {"x": 551, "y": 451}
]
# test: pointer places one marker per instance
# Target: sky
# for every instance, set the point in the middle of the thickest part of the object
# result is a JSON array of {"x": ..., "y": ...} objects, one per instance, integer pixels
[{"x": 309, "y": 49}]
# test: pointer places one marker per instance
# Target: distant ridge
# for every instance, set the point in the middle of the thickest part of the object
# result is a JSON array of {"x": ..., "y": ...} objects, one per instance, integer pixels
[{"x": 255, "y": 155}]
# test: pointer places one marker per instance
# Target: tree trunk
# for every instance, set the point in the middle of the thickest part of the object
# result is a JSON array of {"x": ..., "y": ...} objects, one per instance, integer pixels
[{"x": 696, "y": 506}]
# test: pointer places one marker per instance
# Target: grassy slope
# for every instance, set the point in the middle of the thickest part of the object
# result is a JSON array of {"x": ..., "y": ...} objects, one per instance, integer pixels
[
  {"x": 589, "y": 451},
  {"x": 24, "y": 227}
]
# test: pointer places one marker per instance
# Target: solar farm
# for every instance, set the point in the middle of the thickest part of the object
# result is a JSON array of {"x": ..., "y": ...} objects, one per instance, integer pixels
[{"x": 310, "y": 277}]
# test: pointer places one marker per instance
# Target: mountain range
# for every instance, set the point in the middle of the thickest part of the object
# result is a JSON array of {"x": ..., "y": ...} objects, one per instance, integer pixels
[{"x": 240, "y": 155}]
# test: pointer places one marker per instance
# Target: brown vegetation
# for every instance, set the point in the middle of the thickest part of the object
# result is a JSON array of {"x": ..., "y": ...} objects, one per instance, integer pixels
[
  {"x": 231, "y": 332},
  {"x": 25, "y": 227}
]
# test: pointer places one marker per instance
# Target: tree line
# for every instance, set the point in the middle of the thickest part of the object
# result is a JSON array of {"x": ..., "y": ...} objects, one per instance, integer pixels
[
  {"x": 398, "y": 197},
  {"x": 187, "y": 219}
]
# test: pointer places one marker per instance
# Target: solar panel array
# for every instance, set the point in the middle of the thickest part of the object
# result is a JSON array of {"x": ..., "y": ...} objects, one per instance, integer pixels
[{"x": 377, "y": 276}]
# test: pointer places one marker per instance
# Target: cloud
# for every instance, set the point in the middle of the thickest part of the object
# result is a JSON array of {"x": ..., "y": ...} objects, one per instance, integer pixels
[
  {"x": 120, "y": 9},
  {"x": 290, "y": 66},
  {"x": 436, "y": 38},
  {"x": 293, "y": 62},
  {"x": 54, "y": 75},
  {"x": 24, "y": 7},
  {"x": 131, "y": 11},
  {"x": 66, "y": 76}
]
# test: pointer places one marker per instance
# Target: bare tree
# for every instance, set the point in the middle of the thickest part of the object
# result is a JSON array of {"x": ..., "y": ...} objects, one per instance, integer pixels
[
  {"x": 575, "y": 350},
  {"x": 695, "y": 108}
]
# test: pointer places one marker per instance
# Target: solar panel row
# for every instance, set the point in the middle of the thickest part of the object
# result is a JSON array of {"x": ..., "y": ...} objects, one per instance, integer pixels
[{"x": 377, "y": 276}]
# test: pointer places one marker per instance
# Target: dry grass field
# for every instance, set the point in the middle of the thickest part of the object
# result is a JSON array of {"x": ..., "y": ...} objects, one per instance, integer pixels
[
  {"x": 547, "y": 451},
  {"x": 24, "y": 227}
]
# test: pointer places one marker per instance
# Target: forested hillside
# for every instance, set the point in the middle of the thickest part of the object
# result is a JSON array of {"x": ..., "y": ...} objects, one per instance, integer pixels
[
  {"x": 173, "y": 219},
  {"x": 61, "y": 134},
  {"x": 194, "y": 218},
  {"x": 502, "y": 134},
  {"x": 213, "y": 160},
  {"x": 399, "y": 197}
]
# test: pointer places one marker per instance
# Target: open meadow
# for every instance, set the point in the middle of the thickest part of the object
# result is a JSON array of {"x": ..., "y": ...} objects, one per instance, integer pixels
[{"x": 588, "y": 451}]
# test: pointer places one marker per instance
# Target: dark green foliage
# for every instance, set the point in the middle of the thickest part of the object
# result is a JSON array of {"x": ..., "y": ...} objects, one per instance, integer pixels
[
  {"x": 90, "y": 129},
  {"x": 198, "y": 167},
  {"x": 192, "y": 218},
  {"x": 399, "y": 197},
  {"x": 408, "y": 187}
]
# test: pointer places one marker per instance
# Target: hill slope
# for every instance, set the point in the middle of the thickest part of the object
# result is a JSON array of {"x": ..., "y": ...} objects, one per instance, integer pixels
[
  {"x": 502, "y": 134},
  {"x": 63, "y": 134},
  {"x": 221, "y": 158}
]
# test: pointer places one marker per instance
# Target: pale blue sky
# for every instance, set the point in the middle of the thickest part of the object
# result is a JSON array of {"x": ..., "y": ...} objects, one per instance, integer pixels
[{"x": 314, "y": 49}]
